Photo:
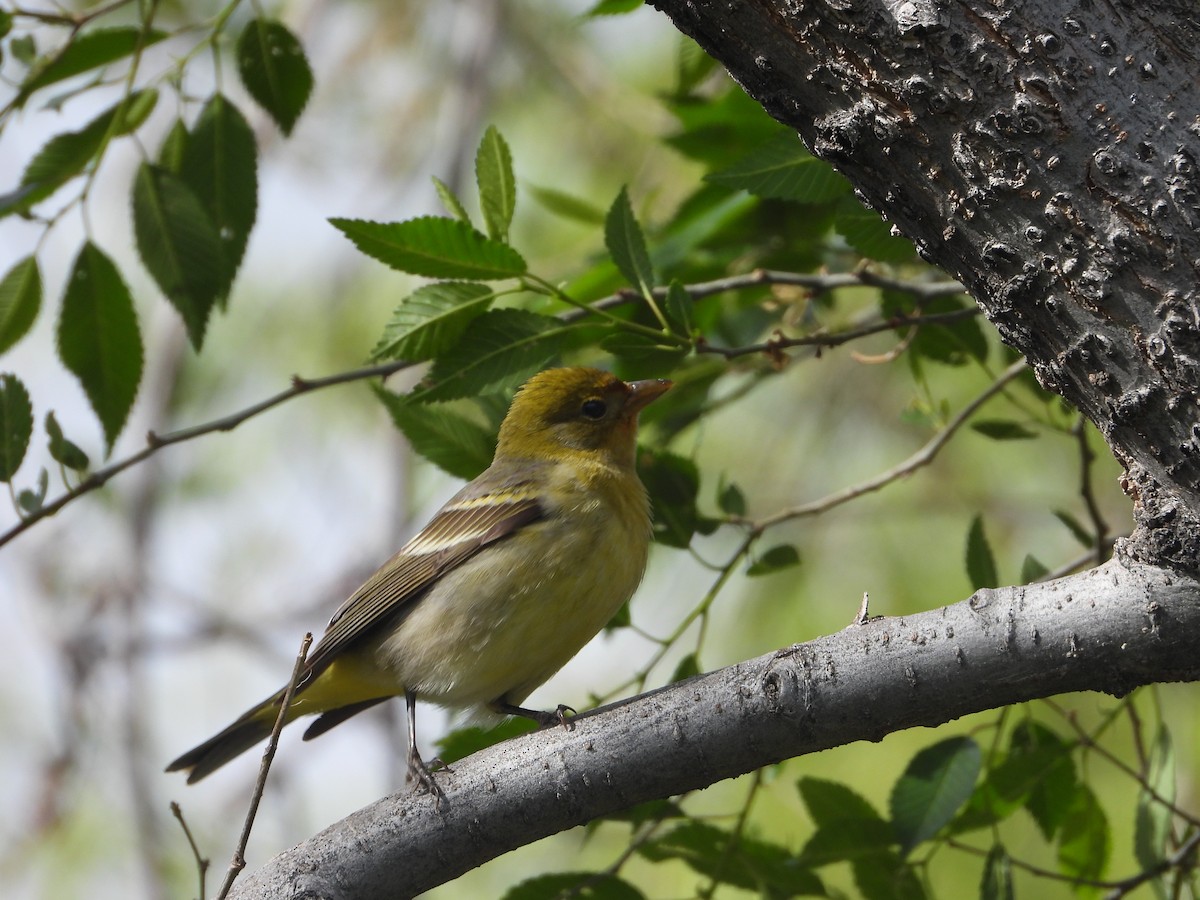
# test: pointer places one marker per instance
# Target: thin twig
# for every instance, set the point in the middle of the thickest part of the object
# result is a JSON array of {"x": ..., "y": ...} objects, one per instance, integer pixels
[
  {"x": 1175, "y": 860},
  {"x": 922, "y": 457},
  {"x": 1086, "y": 459},
  {"x": 202, "y": 864},
  {"x": 239, "y": 852}
]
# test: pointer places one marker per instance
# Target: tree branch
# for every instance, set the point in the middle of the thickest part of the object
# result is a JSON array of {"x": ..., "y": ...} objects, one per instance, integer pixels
[{"x": 1109, "y": 629}]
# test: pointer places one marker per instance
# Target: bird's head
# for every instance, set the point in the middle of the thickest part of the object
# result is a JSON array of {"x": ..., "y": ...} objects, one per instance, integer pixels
[{"x": 570, "y": 410}]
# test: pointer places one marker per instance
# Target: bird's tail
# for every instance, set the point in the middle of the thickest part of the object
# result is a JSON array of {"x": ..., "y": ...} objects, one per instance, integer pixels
[{"x": 251, "y": 727}]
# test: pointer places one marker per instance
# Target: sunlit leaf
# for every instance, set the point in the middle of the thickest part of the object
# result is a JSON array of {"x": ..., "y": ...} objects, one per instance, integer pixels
[
  {"x": 450, "y": 201},
  {"x": 496, "y": 182},
  {"x": 435, "y": 247},
  {"x": 431, "y": 319}
]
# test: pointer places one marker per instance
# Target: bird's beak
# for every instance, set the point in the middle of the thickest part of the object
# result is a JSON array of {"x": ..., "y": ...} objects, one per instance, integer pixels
[{"x": 643, "y": 393}]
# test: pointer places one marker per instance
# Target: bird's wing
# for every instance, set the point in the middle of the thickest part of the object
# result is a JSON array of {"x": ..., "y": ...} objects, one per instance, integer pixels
[{"x": 475, "y": 517}]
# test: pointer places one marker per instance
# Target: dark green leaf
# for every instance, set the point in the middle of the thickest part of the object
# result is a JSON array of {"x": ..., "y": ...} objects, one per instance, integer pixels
[
  {"x": 997, "y": 882},
  {"x": 885, "y": 876},
  {"x": 497, "y": 352},
  {"x": 627, "y": 246},
  {"x": 937, "y": 782},
  {"x": 31, "y": 501},
  {"x": 830, "y": 802},
  {"x": 62, "y": 450},
  {"x": 678, "y": 309},
  {"x": 274, "y": 70},
  {"x": 20, "y": 300},
  {"x": 981, "y": 565},
  {"x": 581, "y": 885},
  {"x": 1081, "y": 534},
  {"x": 846, "y": 839},
  {"x": 220, "y": 165},
  {"x": 1003, "y": 430},
  {"x": 450, "y": 201},
  {"x": 6, "y": 21},
  {"x": 621, "y": 619},
  {"x": 1152, "y": 821},
  {"x": 431, "y": 319},
  {"x": 170, "y": 154},
  {"x": 692, "y": 66},
  {"x": 179, "y": 245},
  {"x": 654, "y": 358},
  {"x": 1032, "y": 570},
  {"x": 88, "y": 51},
  {"x": 673, "y": 483},
  {"x": 1084, "y": 841},
  {"x": 688, "y": 666},
  {"x": 567, "y": 205},
  {"x": 16, "y": 425},
  {"x": 497, "y": 183},
  {"x": 98, "y": 338},
  {"x": 614, "y": 7},
  {"x": 650, "y": 811},
  {"x": 449, "y": 440},
  {"x": 731, "y": 500},
  {"x": 782, "y": 556},
  {"x": 782, "y": 169},
  {"x": 462, "y": 742},
  {"x": 871, "y": 235},
  {"x": 23, "y": 48},
  {"x": 434, "y": 247},
  {"x": 1053, "y": 792}
]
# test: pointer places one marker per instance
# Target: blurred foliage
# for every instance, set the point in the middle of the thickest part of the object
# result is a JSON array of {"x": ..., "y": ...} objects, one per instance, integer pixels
[{"x": 752, "y": 258}]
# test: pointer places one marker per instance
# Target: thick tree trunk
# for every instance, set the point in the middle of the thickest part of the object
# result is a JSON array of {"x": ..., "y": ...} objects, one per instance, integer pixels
[{"x": 1047, "y": 155}]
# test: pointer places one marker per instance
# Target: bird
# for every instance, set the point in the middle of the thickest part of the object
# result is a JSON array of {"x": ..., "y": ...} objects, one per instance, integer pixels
[{"x": 503, "y": 586}]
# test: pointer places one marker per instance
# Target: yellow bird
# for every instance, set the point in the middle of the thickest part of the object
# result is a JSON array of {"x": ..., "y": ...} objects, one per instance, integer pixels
[{"x": 506, "y": 583}]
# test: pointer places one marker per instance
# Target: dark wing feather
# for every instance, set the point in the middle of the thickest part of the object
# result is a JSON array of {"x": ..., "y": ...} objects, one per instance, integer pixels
[{"x": 473, "y": 519}]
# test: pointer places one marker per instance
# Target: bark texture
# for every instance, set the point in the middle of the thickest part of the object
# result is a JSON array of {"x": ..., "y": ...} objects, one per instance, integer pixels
[{"x": 1046, "y": 154}]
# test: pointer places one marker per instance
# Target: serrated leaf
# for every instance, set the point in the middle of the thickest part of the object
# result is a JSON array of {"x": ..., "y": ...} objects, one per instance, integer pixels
[
  {"x": 98, "y": 338},
  {"x": 782, "y": 169},
  {"x": 782, "y": 556},
  {"x": 62, "y": 450},
  {"x": 497, "y": 183},
  {"x": 568, "y": 206},
  {"x": 1032, "y": 569},
  {"x": 88, "y": 51},
  {"x": 450, "y": 201},
  {"x": 581, "y": 885},
  {"x": 220, "y": 164},
  {"x": 981, "y": 565},
  {"x": 1052, "y": 791},
  {"x": 1080, "y": 533},
  {"x": 845, "y": 840},
  {"x": 179, "y": 245},
  {"x": 885, "y": 876},
  {"x": 654, "y": 358},
  {"x": 829, "y": 802},
  {"x": 678, "y": 309},
  {"x": 997, "y": 881},
  {"x": 431, "y": 319},
  {"x": 1152, "y": 820},
  {"x": 1003, "y": 430},
  {"x": 16, "y": 425},
  {"x": 449, "y": 440},
  {"x": 627, "y": 245},
  {"x": 688, "y": 667},
  {"x": 274, "y": 69},
  {"x": 497, "y": 352},
  {"x": 1084, "y": 841},
  {"x": 936, "y": 783},
  {"x": 20, "y": 300},
  {"x": 731, "y": 500},
  {"x": 868, "y": 233},
  {"x": 434, "y": 247},
  {"x": 673, "y": 483}
]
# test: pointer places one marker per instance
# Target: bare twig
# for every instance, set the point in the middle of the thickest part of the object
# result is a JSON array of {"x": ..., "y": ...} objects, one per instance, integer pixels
[
  {"x": 202, "y": 864},
  {"x": 1086, "y": 458},
  {"x": 239, "y": 852},
  {"x": 1176, "y": 860}
]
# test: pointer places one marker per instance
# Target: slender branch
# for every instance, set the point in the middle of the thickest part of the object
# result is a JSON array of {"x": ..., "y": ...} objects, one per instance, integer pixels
[
  {"x": 202, "y": 863},
  {"x": 1176, "y": 860},
  {"x": 1086, "y": 459},
  {"x": 922, "y": 457},
  {"x": 239, "y": 852}
]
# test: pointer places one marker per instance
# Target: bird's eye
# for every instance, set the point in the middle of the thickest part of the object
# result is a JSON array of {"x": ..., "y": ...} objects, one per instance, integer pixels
[{"x": 594, "y": 409}]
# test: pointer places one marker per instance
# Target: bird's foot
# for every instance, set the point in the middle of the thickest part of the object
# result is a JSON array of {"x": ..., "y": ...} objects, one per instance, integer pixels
[{"x": 423, "y": 774}]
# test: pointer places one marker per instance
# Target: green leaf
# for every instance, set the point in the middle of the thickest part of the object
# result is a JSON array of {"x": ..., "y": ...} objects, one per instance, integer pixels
[
  {"x": 654, "y": 358},
  {"x": 846, "y": 839},
  {"x": 937, "y": 782},
  {"x": 688, "y": 667},
  {"x": 997, "y": 882},
  {"x": 692, "y": 66},
  {"x": 179, "y": 245},
  {"x": 650, "y": 811},
  {"x": 1032, "y": 570},
  {"x": 220, "y": 165},
  {"x": 1084, "y": 841},
  {"x": 88, "y": 51},
  {"x": 868, "y": 233},
  {"x": 673, "y": 484},
  {"x": 435, "y": 247},
  {"x": 462, "y": 742},
  {"x": 831, "y": 802},
  {"x": 981, "y": 565},
  {"x": 782, "y": 556},
  {"x": 62, "y": 450},
  {"x": 497, "y": 183},
  {"x": 1152, "y": 820},
  {"x": 568, "y": 206},
  {"x": 581, "y": 885},
  {"x": 450, "y": 201},
  {"x": 431, "y": 319},
  {"x": 31, "y": 501},
  {"x": 885, "y": 876},
  {"x": 498, "y": 351},
  {"x": 449, "y": 440},
  {"x": 678, "y": 309},
  {"x": 16, "y": 425},
  {"x": 1003, "y": 430},
  {"x": 274, "y": 70},
  {"x": 1080, "y": 533},
  {"x": 625, "y": 242},
  {"x": 20, "y": 300},
  {"x": 23, "y": 48},
  {"x": 98, "y": 338},
  {"x": 6, "y": 23},
  {"x": 782, "y": 169},
  {"x": 731, "y": 500},
  {"x": 613, "y": 7},
  {"x": 170, "y": 154}
]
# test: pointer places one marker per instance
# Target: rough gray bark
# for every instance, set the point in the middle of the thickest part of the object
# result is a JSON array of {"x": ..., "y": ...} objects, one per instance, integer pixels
[
  {"x": 1046, "y": 154},
  {"x": 1112, "y": 629}
]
